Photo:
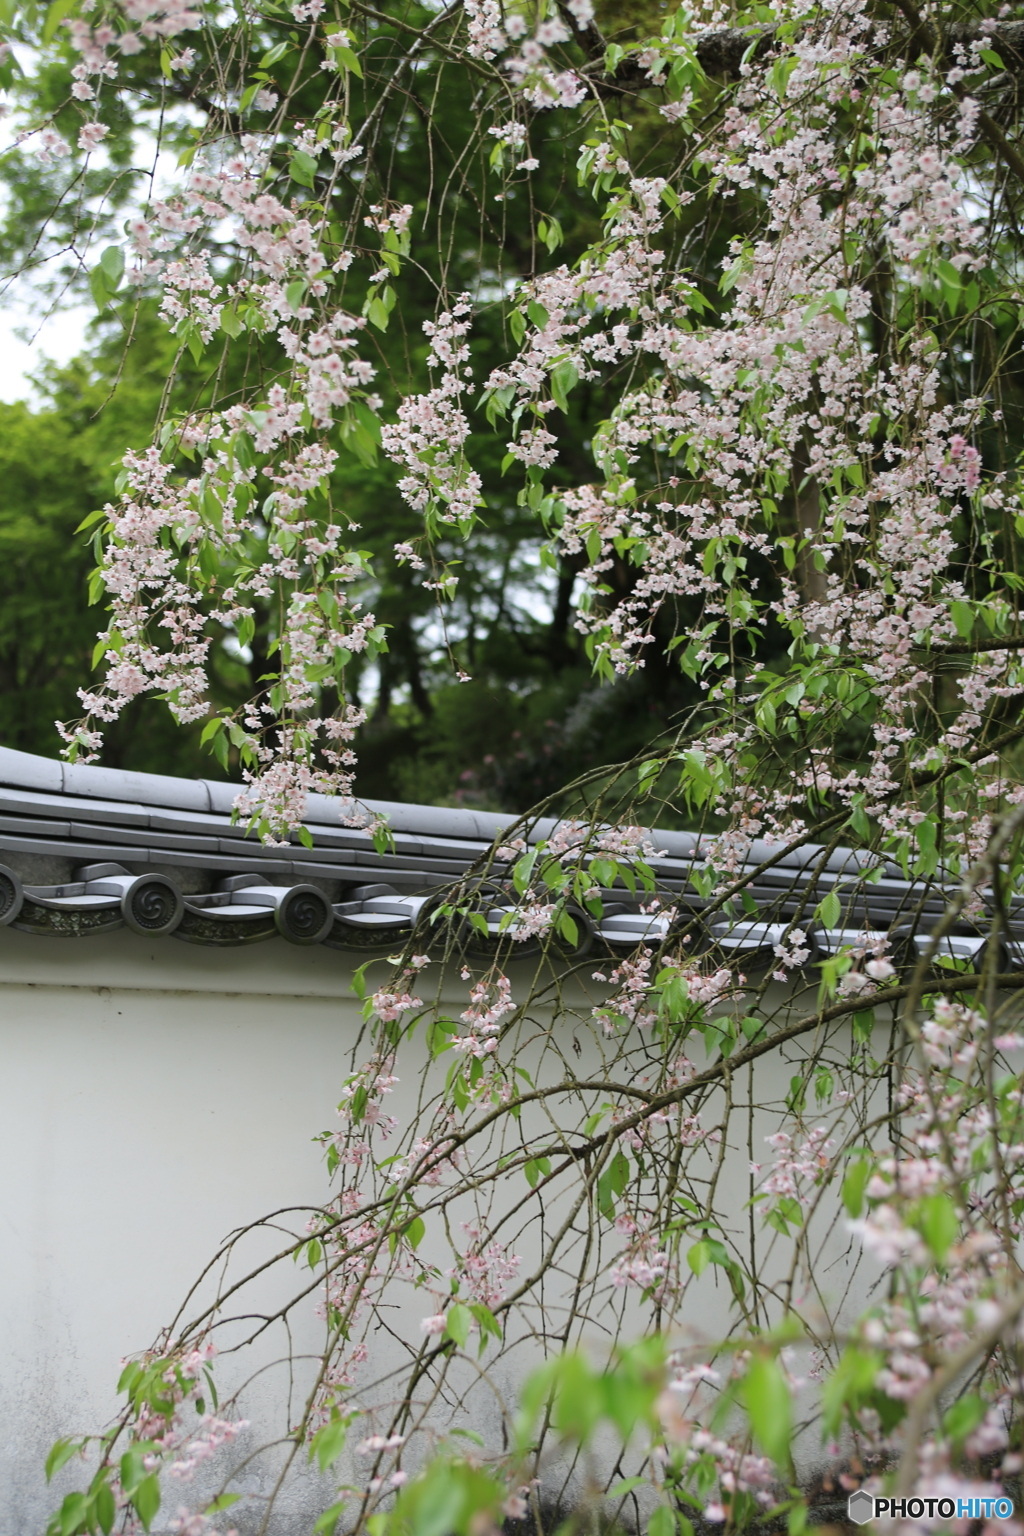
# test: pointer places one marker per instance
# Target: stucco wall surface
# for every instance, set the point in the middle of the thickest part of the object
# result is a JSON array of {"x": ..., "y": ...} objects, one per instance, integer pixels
[
  {"x": 153, "y": 1097},
  {"x": 139, "y": 1124}
]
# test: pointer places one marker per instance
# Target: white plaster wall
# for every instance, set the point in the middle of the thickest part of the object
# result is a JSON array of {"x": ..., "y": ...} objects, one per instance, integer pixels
[
  {"x": 139, "y": 1124},
  {"x": 153, "y": 1096}
]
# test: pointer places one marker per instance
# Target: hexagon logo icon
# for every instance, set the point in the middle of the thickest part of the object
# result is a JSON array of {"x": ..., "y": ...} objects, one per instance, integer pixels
[{"x": 860, "y": 1507}]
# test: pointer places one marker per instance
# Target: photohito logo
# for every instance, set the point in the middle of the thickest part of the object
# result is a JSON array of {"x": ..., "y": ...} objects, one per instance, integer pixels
[{"x": 863, "y": 1506}]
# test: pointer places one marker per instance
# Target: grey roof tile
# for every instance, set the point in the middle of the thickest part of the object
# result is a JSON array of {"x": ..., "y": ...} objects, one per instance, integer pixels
[
  {"x": 435, "y": 820},
  {"x": 445, "y": 848},
  {"x": 70, "y": 849},
  {"x": 87, "y": 816},
  {"x": 450, "y": 867},
  {"x": 121, "y": 784},
  {"x": 20, "y": 801},
  {"x": 202, "y": 822},
  {"x": 220, "y": 797},
  {"x": 32, "y": 772},
  {"x": 146, "y": 837},
  {"x": 36, "y": 828},
  {"x": 327, "y": 837},
  {"x": 121, "y": 814}
]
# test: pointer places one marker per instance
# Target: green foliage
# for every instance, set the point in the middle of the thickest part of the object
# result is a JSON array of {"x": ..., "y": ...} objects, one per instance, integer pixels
[
  {"x": 328, "y": 1443},
  {"x": 57, "y": 465},
  {"x": 580, "y": 1397},
  {"x": 769, "y": 1406},
  {"x": 451, "y": 1498}
]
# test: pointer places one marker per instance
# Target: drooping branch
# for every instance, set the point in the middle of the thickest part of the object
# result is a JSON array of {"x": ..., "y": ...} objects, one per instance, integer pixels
[{"x": 723, "y": 51}]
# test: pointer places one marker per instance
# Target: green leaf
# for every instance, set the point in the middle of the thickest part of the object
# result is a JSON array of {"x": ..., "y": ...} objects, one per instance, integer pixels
[
  {"x": 550, "y": 232},
  {"x": 105, "y": 1507},
  {"x": 538, "y": 314},
  {"x": 439, "y": 1032},
  {"x": 383, "y": 838},
  {"x": 830, "y": 910},
  {"x": 273, "y": 54},
  {"x": 74, "y": 1514},
  {"x": 112, "y": 262},
  {"x": 295, "y": 293},
  {"x": 962, "y": 615},
  {"x": 699, "y": 1257},
  {"x": 330, "y": 1517},
  {"x": 348, "y": 60},
  {"x": 626, "y": 1486},
  {"x": 563, "y": 379},
  {"x": 328, "y": 1443},
  {"x": 522, "y": 870},
  {"x": 361, "y": 444},
  {"x": 612, "y": 1183},
  {"x": 854, "y": 1185},
  {"x": 769, "y": 1407},
  {"x": 487, "y": 1322},
  {"x": 132, "y": 1470},
  {"x": 863, "y": 1024},
  {"x": 568, "y": 929},
  {"x": 54, "y": 16},
  {"x": 377, "y": 313},
  {"x": 146, "y": 1499},
  {"x": 577, "y": 1404},
  {"x": 61, "y": 1452},
  {"x": 662, "y": 1522},
  {"x": 367, "y": 418},
  {"x": 468, "y": 1434},
  {"x": 458, "y": 1320},
  {"x": 850, "y": 1385},
  {"x": 302, "y": 168},
  {"x": 99, "y": 288},
  {"x": 230, "y": 324},
  {"x": 222, "y": 1501},
  {"x": 948, "y": 273},
  {"x": 938, "y": 1224},
  {"x": 129, "y": 1376},
  {"x": 963, "y": 1417},
  {"x": 517, "y": 325},
  {"x": 94, "y": 517},
  {"x": 415, "y": 1231},
  {"x": 604, "y": 871}
]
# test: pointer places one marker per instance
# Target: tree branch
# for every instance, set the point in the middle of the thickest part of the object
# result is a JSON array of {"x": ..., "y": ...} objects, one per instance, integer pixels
[{"x": 722, "y": 51}]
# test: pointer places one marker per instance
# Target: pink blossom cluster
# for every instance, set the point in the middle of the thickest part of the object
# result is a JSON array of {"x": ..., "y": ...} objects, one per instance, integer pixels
[
  {"x": 429, "y": 437},
  {"x": 490, "y": 1001},
  {"x": 173, "y": 1438},
  {"x": 796, "y": 1170},
  {"x": 644, "y": 1263},
  {"x": 485, "y": 1272}
]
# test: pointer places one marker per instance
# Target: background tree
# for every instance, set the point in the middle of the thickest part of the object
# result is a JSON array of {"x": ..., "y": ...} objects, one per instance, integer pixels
[{"x": 511, "y": 626}]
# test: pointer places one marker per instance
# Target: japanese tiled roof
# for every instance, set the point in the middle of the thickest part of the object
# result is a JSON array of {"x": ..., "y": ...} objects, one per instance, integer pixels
[{"x": 85, "y": 849}]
